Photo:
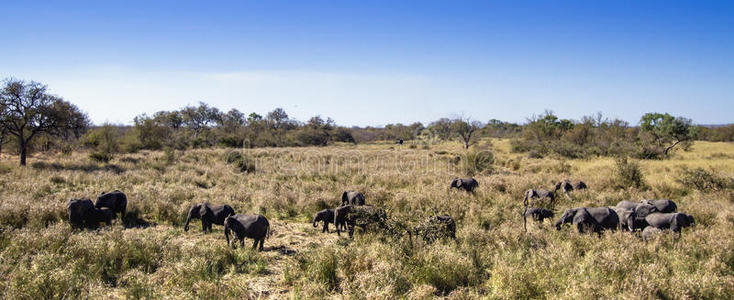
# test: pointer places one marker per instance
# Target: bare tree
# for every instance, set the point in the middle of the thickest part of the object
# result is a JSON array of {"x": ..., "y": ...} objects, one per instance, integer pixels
[
  {"x": 466, "y": 129},
  {"x": 27, "y": 110}
]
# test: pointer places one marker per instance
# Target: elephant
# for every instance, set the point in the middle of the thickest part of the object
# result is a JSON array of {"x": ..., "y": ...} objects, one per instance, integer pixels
[
  {"x": 366, "y": 216},
  {"x": 626, "y": 204},
  {"x": 649, "y": 233},
  {"x": 82, "y": 213},
  {"x": 209, "y": 215},
  {"x": 627, "y": 219},
  {"x": 567, "y": 186},
  {"x": 326, "y": 216},
  {"x": 255, "y": 227},
  {"x": 596, "y": 218},
  {"x": 673, "y": 221},
  {"x": 467, "y": 184},
  {"x": 663, "y": 205},
  {"x": 540, "y": 194},
  {"x": 115, "y": 200},
  {"x": 538, "y": 214},
  {"x": 352, "y": 198}
]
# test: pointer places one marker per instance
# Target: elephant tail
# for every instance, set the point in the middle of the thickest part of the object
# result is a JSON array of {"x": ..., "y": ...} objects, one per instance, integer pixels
[{"x": 268, "y": 233}]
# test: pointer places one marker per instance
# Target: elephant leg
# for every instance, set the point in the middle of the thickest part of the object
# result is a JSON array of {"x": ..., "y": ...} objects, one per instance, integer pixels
[
  {"x": 254, "y": 245},
  {"x": 326, "y": 227},
  {"x": 203, "y": 225},
  {"x": 242, "y": 242},
  {"x": 262, "y": 242}
]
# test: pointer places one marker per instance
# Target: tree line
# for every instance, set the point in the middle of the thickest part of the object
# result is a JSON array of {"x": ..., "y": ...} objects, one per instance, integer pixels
[{"x": 31, "y": 119}]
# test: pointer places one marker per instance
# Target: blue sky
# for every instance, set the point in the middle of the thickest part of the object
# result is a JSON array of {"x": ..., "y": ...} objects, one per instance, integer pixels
[{"x": 379, "y": 62}]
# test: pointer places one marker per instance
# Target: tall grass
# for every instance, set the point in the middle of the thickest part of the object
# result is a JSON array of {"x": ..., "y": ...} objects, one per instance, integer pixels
[{"x": 490, "y": 257}]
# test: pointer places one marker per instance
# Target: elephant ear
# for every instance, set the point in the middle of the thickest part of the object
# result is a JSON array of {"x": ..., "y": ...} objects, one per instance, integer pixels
[{"x": 204, "y": 210}]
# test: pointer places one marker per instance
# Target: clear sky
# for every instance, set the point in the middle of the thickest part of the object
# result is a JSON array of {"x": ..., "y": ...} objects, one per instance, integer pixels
[{"x": 379, "y": 62}]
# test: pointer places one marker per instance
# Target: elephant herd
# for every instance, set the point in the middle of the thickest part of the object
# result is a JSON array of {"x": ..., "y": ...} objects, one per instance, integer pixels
[{"x": 647, "y": 216}]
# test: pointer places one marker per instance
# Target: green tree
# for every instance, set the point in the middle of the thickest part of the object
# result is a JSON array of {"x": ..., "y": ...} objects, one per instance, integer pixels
[
  {"x": 465, "y": 130},
  {"x": 28, "y": 110},
  {"x": 666, "y": 131}
]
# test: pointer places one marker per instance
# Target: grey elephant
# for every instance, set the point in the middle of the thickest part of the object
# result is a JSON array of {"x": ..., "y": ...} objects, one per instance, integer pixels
[
  {"x": 466, "y": 184},
  {"x": 365, "y": 217},
  {"x": 538, "y": 214},
  {"x": 209, "y": 214},
  {"x": 673, "y": 221},
  {"x": 255, "y": 227},
  {"x": 662, "y": 205},
  {"x": 649, "y": 233},
  {"x": 326, "y": 216},
  {"x": 626, "y": 204},
  {"x": 566, "y": 186},
  {"x": 82, "y": 213},
  {"x": 594, "y": 218},
  {"x": 539, "y": 194},
  {"x": 627, "y": 219},
  {"x": 115, "y": 200},
  {"x": 352, "y": 198}
]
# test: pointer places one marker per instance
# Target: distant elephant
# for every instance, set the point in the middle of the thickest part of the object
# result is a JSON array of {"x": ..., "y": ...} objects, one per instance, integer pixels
[
  {"x": 627, "y": 219},
  {"x": 209, "y": 215},
  {"x": 399, "y": 142},
  {"x": 466, "y": 184},
  {"x": 352, "y": 198},
  {"x": 539, "y": 194},
  {"x": 82, "y": 213},
  {"x": 672, "y": 221},
  {"x": 649, "y": 233},
  {"x": 567, "y": 186},
  {"x": 115, "y": 200},
  {"x": 326, "y": 216},
  {"x": 255, "y": 227},
  {"x": 538, "y": 214},
  {"x": 365, "y": 217},
  {"x": 663, "y": 205},
  {"x": 596, "y": 218}
]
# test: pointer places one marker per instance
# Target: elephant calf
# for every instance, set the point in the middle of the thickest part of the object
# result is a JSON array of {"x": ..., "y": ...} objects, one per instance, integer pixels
[
  {"x": 662, "y": 205},
  {"x": 365, "y": 217},
  {"x": 82, "y": 213},
  {"x": 326, "y": 216},
  {"x": 466, "y": 184},
  {"x": 627, "y": 219},
  {"x": 255, "y": 227},
  {"x": 596, "y": 218},
  {"x": 567, "y": 186},
  {"x": 115, "y": 200},
  {"x": 538, "y": 214},
  {"x": 352, "y": 198},
  {"x": 538, "y": 194},
  {"x": 209, "y": 215}
]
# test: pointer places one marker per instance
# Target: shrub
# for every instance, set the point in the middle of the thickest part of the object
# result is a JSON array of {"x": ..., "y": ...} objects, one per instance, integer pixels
[
  {"x": 240, "y": 161},
  {"x": 628, "y": 174},
  {"x": 478, "y": 161},
  {"x": 703, "y": 180},
  {"x": 100, "y": 156}
]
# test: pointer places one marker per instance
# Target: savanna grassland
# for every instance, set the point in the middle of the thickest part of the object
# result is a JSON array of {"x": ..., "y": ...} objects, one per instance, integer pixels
[{"x": 41, "y": 257}]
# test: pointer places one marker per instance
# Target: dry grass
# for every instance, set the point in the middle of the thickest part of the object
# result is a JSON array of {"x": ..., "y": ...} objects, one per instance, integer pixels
[{"x": 491, "y": 257}]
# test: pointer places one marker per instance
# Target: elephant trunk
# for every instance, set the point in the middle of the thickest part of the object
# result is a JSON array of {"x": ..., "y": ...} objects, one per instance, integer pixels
[
  {"x": 315, "y": 219},
  {"x": 188, "y": 219}
]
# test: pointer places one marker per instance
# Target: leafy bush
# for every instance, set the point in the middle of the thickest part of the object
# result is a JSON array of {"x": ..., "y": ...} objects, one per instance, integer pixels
[
  {"x": 703, "y": 180},
  {"x": 628, "y": 174},
  {"x": 100, "y": 156}
]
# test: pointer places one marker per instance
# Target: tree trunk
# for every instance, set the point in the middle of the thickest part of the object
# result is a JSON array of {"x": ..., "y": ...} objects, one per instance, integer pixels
[{"x": 22, "y": 150}]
